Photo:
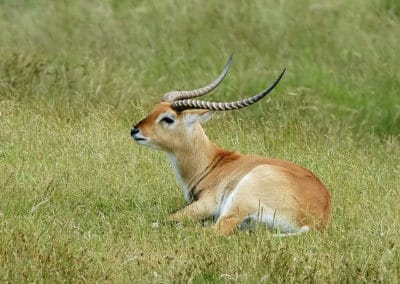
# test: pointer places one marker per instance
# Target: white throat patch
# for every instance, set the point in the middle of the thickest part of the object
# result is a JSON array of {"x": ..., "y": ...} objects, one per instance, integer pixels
[{"x": 179, "y": 179}]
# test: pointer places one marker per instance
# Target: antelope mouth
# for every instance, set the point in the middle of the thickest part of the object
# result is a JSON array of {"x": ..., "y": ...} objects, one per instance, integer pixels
[
  {"x": 135, "y": 134},
  {"x": 139, "y": 140}
]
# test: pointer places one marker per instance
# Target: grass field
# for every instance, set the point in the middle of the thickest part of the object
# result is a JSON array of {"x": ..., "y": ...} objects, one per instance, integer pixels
[{"x": 78, "y": 198}]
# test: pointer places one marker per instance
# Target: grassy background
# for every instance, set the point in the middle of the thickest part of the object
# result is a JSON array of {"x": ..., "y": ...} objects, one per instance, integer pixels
[{"x": 78, "y": 197}]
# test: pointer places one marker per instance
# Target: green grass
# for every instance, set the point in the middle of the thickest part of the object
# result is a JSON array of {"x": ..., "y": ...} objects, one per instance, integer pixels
[{"x": 78, "y": 198}]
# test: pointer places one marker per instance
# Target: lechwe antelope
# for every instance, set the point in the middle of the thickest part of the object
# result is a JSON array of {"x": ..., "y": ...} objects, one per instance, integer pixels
[{"x": 224, "y": 184}]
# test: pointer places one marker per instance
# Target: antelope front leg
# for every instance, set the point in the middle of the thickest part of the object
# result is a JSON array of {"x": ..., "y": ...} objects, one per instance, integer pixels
[{"x": 194, "y": 211}]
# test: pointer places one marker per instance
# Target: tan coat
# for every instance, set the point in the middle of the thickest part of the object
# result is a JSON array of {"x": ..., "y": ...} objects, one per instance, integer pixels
[{"x": 230, "y": 186}]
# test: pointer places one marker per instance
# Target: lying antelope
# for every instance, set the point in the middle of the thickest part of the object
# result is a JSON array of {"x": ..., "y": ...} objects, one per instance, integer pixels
[{"x": 230, "y": 187}]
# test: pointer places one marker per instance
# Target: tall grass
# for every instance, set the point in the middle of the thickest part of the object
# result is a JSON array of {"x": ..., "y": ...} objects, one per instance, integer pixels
[{"x": 78, "y": 198}]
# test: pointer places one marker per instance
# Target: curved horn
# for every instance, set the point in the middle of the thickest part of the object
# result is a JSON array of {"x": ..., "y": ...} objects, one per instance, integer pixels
[
  {"x": 196, "y": 104},
  {"x": 180, "y": 95}
]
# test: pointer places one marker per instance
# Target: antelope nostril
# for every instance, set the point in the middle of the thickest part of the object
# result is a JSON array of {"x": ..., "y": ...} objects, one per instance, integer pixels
[{"x": 134, "y": 131}]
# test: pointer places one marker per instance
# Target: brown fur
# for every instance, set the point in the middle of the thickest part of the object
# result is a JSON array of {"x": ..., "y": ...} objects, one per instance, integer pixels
[{"x": 231, "y": 186}]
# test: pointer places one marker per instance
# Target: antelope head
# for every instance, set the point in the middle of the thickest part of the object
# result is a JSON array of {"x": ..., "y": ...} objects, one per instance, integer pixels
[{"x": 175, "y": 121}]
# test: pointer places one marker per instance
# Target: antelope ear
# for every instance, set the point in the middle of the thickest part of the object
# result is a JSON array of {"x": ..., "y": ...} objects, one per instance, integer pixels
[{"x": 196, "y": 116}]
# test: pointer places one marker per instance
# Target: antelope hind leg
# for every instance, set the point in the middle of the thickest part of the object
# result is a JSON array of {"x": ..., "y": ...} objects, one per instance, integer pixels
[{"x": 227, "y": 223}]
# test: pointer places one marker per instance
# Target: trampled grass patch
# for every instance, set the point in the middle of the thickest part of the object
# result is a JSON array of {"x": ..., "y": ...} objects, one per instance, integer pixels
[{"x": 78, "y": 199}]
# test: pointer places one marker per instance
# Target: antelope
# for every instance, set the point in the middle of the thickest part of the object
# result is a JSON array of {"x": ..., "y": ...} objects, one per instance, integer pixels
[{"x": 230, "y": 187}]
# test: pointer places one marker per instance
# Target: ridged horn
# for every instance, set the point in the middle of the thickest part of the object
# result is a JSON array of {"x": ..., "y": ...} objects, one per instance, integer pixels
[
  {"x": 181, "y": 95},
  {"x": 181, "y": 105}
]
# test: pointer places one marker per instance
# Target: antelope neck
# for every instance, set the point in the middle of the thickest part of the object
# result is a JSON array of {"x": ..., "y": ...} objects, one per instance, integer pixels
[{"x": 190, "y": 165}]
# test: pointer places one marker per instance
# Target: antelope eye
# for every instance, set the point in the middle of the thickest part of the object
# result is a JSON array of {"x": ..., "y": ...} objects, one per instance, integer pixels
[{"x": 167, "y": 120}]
